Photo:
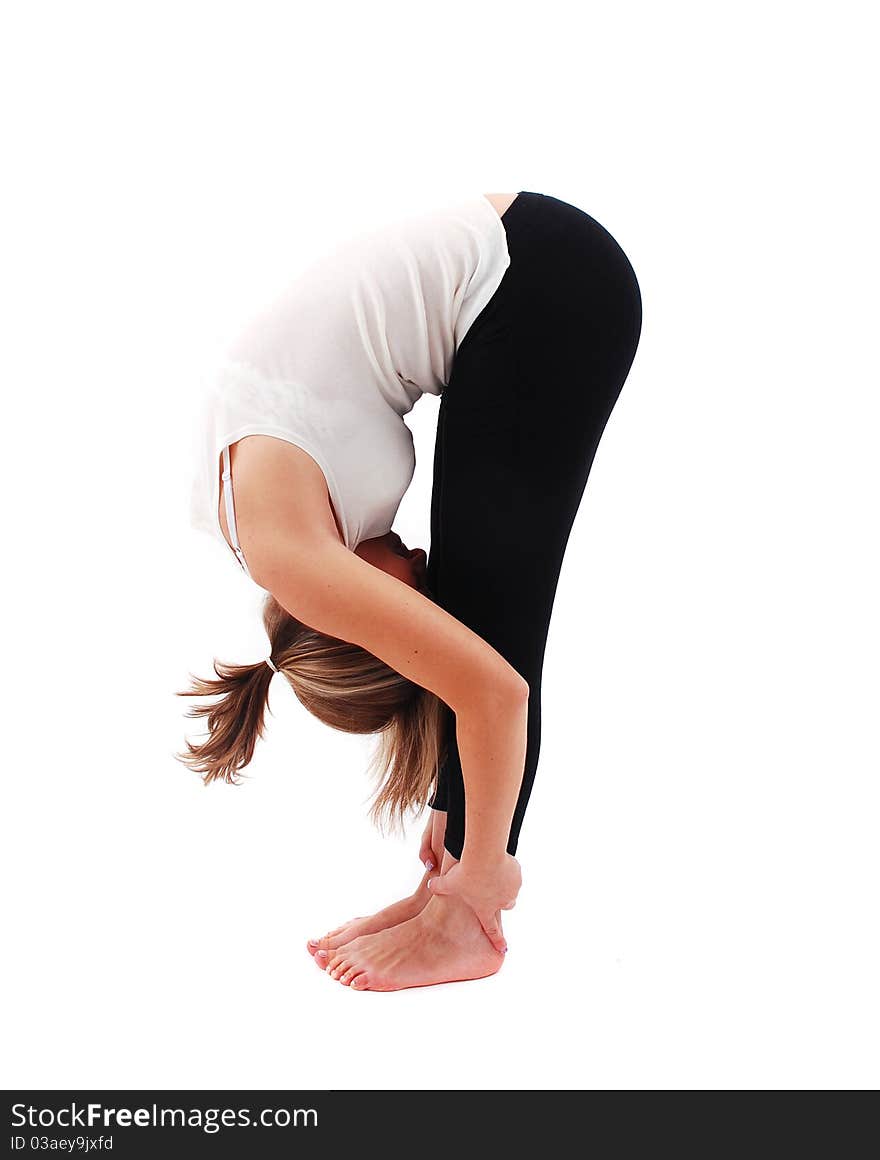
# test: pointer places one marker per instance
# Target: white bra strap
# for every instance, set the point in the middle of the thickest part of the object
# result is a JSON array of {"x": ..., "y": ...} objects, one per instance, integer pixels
[{"x": 230, "y": 509}]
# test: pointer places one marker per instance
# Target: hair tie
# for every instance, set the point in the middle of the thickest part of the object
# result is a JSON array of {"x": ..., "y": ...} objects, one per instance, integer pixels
[{"x": 272, "y": 665}]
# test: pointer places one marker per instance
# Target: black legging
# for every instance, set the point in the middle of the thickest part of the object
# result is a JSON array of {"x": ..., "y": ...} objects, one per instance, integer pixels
[{"x": 531, "y": 389}]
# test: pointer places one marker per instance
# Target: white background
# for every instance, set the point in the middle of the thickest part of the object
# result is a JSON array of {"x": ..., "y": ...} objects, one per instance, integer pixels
[{"x": 700, "y": 855}]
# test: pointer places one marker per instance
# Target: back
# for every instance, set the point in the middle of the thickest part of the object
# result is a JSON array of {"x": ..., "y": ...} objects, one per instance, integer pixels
[{"x": 335, "y": 362}]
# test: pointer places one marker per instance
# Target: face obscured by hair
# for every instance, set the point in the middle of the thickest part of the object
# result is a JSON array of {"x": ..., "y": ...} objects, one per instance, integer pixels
[{"x": 389, "y": 553}]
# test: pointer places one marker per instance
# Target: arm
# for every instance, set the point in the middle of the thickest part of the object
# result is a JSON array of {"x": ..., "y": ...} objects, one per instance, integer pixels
[
  {"x": 334, "y": 591},
  {"x": 287, "y": 533},
  {"x": 488, "y": 878},
  {"x": 301, "y": 561}
]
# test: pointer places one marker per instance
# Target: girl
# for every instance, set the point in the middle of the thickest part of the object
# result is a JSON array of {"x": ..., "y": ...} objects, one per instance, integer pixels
[{"x": 523, "y": 313}]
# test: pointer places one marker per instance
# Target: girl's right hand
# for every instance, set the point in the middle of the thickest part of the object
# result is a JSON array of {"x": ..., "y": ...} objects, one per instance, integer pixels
[{"x": 487, "y": 888}]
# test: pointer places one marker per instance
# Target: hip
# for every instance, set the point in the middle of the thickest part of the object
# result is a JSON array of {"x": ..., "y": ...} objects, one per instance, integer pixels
[{"x": 568, "y": 278}]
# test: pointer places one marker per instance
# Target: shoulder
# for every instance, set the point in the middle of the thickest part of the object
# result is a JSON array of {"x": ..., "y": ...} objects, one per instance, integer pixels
[{"x": 280, "y": 493}]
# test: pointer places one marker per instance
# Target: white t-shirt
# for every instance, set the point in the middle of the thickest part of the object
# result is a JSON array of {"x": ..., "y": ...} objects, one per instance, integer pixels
[{"x": 336, "y": 361}]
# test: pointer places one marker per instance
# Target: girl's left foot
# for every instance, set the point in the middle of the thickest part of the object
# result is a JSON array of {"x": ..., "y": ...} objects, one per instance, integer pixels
[
  {"x": 392, "y": 915},
  {"x": 432, "y": 854},
  {"x": 443, "y": 944}
]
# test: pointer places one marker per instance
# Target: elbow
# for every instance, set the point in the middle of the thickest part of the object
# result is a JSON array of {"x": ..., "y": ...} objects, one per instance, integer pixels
[
  {"x": 506, "y": 688},
  {"x": 519, "y": 687}
]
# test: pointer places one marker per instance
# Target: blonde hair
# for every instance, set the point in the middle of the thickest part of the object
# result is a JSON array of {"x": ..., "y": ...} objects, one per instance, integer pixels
[{"x": 342, "y": 685}]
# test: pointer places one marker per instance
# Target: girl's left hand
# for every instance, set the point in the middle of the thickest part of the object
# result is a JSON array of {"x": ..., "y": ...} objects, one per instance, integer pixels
[{"x": 426, "y": 851}]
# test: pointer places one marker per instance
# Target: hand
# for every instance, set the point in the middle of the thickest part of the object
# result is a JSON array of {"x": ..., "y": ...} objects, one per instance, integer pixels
[{"x": 486, "y": 888}]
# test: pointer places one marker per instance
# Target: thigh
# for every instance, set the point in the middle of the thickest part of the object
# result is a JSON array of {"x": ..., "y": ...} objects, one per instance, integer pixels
[
  {"x": 532, "y": 387},
  {"x": 510, "y": 471}
]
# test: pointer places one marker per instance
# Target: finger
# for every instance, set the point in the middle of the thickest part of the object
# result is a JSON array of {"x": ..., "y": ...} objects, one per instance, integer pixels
[
  {"x": 432, "y": 866},
  {"x": 439, "y": 885},
  {"x": 491, "y": 924},
  {"x": 426, "y": 855}
]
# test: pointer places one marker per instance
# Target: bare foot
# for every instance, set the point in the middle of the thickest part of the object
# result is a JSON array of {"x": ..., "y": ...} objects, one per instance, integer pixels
[
  {"x": 443, "y": 944},
  {"x": 322, "y": 948},
  {"x": 431, "y": 854}
]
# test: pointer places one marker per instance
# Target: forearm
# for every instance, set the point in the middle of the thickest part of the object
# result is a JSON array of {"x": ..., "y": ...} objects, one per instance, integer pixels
[{"x": 492, "y": 738}]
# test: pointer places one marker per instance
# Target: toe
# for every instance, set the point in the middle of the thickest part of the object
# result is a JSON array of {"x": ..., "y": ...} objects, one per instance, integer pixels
[
  {"x": 360, "y": 982},
  {"x": 322, "y": 958},
  {"x": 325, "y": 942}
]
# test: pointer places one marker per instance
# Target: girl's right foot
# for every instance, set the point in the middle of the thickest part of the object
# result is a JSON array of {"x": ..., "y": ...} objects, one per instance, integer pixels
[{"x": 443, "y": 944}]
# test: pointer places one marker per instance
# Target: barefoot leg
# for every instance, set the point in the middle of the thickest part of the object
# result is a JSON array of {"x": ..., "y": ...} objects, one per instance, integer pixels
[
  {"x": 401, "y": 911},
  {"x": 443, "y": 944}
]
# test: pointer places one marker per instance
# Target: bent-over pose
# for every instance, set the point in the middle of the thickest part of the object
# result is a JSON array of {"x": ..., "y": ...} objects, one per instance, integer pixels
[{"x": 524, "y": 314}]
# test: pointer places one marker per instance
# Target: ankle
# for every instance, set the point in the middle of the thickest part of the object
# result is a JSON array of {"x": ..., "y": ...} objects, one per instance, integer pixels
[{"x": 451, "y": 914}]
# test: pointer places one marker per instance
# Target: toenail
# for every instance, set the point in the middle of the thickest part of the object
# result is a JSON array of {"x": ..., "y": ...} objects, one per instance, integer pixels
[{"x": 322, "y": 954}]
